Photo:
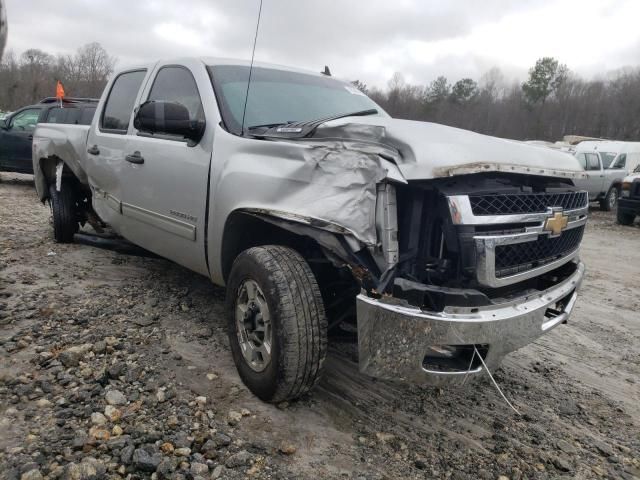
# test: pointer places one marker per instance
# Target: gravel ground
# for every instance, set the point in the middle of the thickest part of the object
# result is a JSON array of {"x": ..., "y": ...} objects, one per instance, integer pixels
[{"x": 115, "y": 366}]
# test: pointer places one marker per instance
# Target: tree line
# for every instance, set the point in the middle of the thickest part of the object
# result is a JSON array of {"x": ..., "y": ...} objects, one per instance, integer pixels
[
  {"x": 551, "y": 103},
  {"x": 32, "y": 76}
]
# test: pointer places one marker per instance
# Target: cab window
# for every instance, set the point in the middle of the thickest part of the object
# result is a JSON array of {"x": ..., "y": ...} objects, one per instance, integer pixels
[
  {"x": 593, "y": 162},
  {"x": 176, "y": 84},
  {"x": 119, "y": 106},
  {"x": 582, "y": 159},
  {"x": 607, "y": 158},
  {"x": 620, "y": 162},
  {"x": 26, "y": 120}
]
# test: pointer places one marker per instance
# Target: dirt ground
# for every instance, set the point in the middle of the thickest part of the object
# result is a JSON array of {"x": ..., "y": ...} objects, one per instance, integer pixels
[{"x": 116, "y": 366}]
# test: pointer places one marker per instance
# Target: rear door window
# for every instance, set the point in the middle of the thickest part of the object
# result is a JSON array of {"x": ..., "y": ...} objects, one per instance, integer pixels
[{"x": 117, "y": 111}]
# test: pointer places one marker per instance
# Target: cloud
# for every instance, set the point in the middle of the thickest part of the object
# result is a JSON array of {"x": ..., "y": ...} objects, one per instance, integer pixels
[{"x": 365, "y": 40}]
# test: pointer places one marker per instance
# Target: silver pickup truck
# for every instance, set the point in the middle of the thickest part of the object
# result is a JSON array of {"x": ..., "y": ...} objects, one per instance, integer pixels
[
  {"x": 605, "y": 164},
  {"x": 444, "y": 249}
]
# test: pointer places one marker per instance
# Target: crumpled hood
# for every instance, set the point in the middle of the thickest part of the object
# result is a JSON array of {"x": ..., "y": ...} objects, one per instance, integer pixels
[{"x": 430, "y": 150}]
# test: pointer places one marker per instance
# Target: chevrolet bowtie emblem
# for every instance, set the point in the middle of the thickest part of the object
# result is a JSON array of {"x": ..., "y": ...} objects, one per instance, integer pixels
[{"x": 557, "y": 223}]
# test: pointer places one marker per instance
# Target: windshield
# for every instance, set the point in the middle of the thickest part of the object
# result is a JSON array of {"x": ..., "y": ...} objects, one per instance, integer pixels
[
  {"x": 607, "y": 158},
  {"x": 280, "y": 96}
]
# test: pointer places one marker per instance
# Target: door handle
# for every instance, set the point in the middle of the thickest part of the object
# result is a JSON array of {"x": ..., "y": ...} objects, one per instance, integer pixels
[
  {"x": 94, "y": 150},
  {"x": 135, "y": 157},
  {"x": 30, "y": 137}
]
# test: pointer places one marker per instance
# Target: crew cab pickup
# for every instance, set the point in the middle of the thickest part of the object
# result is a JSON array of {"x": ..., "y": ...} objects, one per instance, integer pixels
[
  {"x": 606, "y": 163},
  {"x": 443, "y": 249}
]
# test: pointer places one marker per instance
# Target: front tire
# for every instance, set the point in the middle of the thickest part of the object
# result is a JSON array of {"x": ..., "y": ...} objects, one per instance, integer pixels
[
  {"x": 64, "y": 209},
  {"x": 610, "y": 201},
  {"x": 625, "y": 218},
  {"x": 276, "y": 323}
]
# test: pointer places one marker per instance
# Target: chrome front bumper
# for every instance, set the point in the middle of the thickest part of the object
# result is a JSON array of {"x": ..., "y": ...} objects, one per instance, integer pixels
[{"x": 393, "y": 340}]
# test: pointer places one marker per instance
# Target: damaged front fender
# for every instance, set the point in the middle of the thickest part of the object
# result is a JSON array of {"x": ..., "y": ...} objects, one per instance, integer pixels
[{"x": 330, "y": 185}]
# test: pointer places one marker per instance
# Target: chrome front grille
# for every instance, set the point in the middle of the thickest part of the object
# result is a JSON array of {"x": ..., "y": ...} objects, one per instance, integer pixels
[
  {"x": 504, "y": 204},
  {"x": 520, "y": 257},
  {"x": 506, "y": 255}
]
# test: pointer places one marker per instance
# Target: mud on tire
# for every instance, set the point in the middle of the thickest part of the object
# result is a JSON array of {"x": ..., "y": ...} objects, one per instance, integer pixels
[
  {"x": 64, "y": 209},
  {"x": 297, "y": 317}
]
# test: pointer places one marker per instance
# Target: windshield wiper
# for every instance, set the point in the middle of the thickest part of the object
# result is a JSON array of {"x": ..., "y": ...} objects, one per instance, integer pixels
[
  {"x": 269, "y": 125},
  {"x": 304, "y": 129}
]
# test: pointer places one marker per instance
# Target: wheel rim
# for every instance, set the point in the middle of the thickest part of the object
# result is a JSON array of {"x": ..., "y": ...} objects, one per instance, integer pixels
[
  {"x": 613, "y": 198},
  {"x": 253, "y": 325}
]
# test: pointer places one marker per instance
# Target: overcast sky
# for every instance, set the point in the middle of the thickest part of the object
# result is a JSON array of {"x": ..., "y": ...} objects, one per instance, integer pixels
[{"x": 367, "y": 40}]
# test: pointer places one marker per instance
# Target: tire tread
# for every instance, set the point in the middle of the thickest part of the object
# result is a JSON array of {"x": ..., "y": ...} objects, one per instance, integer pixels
[
  {"x": 65, "y": 224},
  {"x": 301, "y": 313}
]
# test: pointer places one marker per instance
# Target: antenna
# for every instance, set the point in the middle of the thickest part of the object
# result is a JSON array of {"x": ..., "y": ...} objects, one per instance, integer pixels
[{"x": 253, "y": 54}]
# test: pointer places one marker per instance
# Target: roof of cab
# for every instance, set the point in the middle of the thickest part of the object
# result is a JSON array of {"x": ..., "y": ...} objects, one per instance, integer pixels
[
  {"x": 608, "y": 146},
  {"x": 214, "y": 61}
]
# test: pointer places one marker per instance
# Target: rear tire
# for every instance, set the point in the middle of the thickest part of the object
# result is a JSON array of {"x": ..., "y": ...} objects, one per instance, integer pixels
[
  {"x": 290, "y": 299},
  {"x": 610, "y": 201},
  {"x": 63, "y": 206},
  {"x": 625, "y": 218}
]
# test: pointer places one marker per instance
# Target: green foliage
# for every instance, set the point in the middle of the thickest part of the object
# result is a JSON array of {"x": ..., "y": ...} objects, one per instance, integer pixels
[
  {"x": 545, "y": 78},
  {"x": 438, "y": 90},
  {"x": 464, "y": 91}
]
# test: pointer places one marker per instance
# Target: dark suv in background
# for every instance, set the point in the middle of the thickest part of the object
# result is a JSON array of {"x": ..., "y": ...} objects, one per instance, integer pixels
[{"x": 16, "y": 131}]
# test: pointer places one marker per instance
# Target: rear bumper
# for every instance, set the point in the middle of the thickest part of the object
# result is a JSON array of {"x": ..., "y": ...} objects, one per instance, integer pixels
[
  {"x": 394, "y": 340},
  {"x": 629, "y": 205}
]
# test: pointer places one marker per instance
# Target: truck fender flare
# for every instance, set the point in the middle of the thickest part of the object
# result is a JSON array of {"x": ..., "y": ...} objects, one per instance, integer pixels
[{"x": 337, "y": 243}]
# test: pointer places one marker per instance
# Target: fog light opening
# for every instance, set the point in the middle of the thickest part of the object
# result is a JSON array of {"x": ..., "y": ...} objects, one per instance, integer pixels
[{"x": 453, "y": 358}]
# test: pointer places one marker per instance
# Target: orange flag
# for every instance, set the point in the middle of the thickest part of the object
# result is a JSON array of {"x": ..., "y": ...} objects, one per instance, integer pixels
[{"x": 59, "y": 90}]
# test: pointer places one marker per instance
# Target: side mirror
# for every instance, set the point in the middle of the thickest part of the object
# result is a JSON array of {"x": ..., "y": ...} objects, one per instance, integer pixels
[
  {"x": 4, "y": 125},
  {"x": 168, "y": 118}
]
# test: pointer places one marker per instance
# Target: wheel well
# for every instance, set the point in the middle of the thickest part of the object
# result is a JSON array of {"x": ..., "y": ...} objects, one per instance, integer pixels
[
  {"x": 337, "y": 284},
  {"x": 48, "y": 169},
  {"x": 243, "y": 231}
]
